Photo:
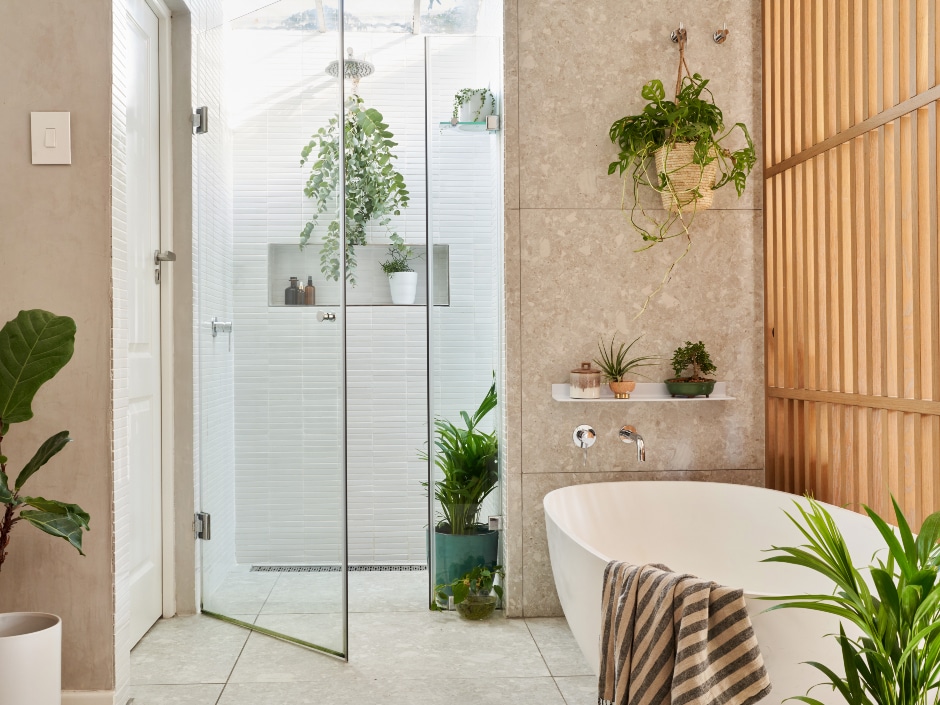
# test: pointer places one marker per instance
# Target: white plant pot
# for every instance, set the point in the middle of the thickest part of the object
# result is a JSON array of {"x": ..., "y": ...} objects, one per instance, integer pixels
[
  {"x": 403, "y": 285},
  {"x": 30, "y": 659},
  {"x": 468, "y": 111}
]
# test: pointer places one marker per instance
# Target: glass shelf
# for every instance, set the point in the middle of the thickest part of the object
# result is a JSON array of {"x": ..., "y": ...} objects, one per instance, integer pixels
[
  {"x": 479, "y": 126},
  {"x": 645, "y": 391}
]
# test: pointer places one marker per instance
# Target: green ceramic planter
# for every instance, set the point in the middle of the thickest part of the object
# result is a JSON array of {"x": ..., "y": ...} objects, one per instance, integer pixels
[
  {"x": 456, "y": 555},
  {"x": 690, "y": 389}
]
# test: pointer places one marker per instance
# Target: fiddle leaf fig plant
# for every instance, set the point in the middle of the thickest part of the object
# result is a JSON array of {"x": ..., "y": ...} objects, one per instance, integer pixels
[
  {"x": 375, "y": 191},
  {"x": 34, "y": 346}
]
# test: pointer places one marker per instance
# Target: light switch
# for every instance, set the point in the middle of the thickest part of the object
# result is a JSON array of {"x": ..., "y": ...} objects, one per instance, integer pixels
[{"x": 51, "y": 138}]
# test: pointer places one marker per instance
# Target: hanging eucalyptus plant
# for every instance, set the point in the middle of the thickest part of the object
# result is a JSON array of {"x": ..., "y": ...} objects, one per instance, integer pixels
[{"x": 375, "y": 191}]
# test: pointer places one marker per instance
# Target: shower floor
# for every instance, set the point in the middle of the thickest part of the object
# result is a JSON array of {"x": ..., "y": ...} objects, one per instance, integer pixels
[{"x": 400, "y": 652}]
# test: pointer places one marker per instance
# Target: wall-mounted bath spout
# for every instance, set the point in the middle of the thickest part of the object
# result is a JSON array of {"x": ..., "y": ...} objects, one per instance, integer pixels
[
  {"x": 628, "y": 434},
  {"x": 584, "y": 436}
]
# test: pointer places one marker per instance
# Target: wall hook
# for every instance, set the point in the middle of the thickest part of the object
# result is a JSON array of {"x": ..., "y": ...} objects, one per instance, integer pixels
[
  {"x": 679, "y": 33},
  {"x": 721, "y": 35}
]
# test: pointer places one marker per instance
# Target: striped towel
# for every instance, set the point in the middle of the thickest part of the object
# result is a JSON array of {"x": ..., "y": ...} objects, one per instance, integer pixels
[{"x": 670, "y": 639}]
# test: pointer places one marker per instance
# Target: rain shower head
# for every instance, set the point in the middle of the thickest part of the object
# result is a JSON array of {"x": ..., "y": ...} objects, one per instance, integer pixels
[{"x": 354, "y": 68}]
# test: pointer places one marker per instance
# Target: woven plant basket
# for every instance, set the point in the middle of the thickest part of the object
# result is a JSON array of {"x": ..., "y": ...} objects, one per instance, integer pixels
[{"x": 686, "y": 178}]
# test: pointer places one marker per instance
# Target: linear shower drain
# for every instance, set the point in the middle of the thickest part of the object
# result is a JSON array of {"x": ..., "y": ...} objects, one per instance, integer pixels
[{"x": 335, "y": 568}]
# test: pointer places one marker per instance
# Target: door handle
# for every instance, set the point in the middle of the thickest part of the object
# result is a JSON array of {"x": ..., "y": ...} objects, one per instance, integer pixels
[
  {"x": 324, "y": 316},
  {"x": 167, "y": 256}
]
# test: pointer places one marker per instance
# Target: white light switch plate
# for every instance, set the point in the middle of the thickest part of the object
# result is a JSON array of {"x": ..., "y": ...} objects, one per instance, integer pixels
[{"x": 52, "y": 139}]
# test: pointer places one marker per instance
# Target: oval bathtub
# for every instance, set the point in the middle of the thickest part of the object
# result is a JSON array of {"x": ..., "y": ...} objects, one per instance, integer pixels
[{"x": 715, "y": 531}]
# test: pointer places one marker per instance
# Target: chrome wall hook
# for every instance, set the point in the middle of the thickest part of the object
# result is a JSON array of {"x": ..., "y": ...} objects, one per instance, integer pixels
[
  {"x": 678, "y": 34},
  {"x": 721, "y": 35}
]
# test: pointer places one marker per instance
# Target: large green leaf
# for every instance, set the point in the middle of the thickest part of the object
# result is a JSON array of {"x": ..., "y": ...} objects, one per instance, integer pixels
[
  {"x": 6, "y": 496},
  {"x": 46, "y": 451},
  {"x": 65, "y": 521},
  {"x": 34, "y": 346}
]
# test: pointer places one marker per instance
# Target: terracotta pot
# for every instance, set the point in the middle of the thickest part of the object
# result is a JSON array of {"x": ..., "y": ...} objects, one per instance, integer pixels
[{"x": 622, "y": 389}]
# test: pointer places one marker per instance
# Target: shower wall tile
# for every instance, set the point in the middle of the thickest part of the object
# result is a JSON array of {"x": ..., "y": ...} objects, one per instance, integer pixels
[
  {"x": 287, "y": 399},
  {"x": 578, "y": 278}
]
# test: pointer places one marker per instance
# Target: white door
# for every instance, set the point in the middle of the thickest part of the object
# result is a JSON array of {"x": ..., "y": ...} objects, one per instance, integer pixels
[{"x": 143, "y": 235}]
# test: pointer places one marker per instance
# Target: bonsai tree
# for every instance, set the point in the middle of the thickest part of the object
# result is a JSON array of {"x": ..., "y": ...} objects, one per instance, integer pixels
[
  {"x": 896, "y": 660},
  {"x": 399, "y": 256},
  {"x": 614, "y": 363},
  {"x": 466, "y": 458},
  {"x": 34, "y": 346},
  {"x": 686, "y": 140},
  {"x": 694, "y": 356},
  {"x": 375, "y": 191}
]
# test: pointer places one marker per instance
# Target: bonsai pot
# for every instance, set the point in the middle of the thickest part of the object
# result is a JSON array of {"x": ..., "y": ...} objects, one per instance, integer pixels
[
  {"x": 692, "y": 184},
  {"x": 679, "y": 387},
  {"x": 477, "y": 607},
  {"x": 30, "y": 658},
  {"x": 403, "y": 286},
  {"x": 623, "y": 388},
  {"x": 457, "y": 554}
]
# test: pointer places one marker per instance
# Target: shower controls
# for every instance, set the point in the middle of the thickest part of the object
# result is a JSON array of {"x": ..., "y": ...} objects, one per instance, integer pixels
[
  {"x": 584, "y": 436},
  {"x": 325, "y": 316}
]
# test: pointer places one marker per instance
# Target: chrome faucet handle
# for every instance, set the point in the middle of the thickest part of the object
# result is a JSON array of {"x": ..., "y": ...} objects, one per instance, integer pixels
[
  {"x": 584, "y": 436},
  {"x": 628, "y": 434}
]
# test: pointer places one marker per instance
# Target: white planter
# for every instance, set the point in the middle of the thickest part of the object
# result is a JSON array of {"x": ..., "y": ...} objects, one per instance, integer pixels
[
  {"x": 468, "y": 111},
  {"x": 403, "y": 285},
  {"x": 30, "y": 659}
]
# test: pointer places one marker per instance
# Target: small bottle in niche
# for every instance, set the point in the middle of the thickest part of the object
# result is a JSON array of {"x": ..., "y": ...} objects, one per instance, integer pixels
[
  {"x": 310, "y": 292},
  {"x": 293, "y": 295}
]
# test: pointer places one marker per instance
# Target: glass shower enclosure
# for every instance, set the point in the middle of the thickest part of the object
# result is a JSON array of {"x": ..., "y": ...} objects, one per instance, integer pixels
[{"x": 316, "y": 392}]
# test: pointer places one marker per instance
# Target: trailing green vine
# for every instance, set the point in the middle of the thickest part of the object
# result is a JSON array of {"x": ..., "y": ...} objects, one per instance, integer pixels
[
  {"x": 465, "y": 95},
  {"x": 375, "y": 191}
]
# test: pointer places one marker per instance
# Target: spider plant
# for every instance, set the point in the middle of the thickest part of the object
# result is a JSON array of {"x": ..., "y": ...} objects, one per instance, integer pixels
[
  {"x": 614, "y": 363},
  {"x": 896, "y": 660},
  {"x": 466, "y": 458}
]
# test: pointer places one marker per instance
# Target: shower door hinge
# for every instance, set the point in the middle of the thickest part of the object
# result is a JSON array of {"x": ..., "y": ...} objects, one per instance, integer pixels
[
  {"x": 200, "y": 120},
  {"x": 495, "y": 523},
  {"x": 203, "y": 526}
]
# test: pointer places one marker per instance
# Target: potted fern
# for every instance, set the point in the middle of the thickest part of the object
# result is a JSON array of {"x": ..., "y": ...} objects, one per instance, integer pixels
[
  {"x": 895, "y": 608},
  {"x": 694, "y": 358},
  {"x": 466, "y": 461},
  {"x": 402, "y": 279},
  {"x": 34, "y": 346},
  {"x": 615, "y": 366}
]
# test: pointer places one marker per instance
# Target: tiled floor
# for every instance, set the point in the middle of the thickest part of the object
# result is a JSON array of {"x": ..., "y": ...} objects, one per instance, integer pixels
[{"x": 400, "y": 653}]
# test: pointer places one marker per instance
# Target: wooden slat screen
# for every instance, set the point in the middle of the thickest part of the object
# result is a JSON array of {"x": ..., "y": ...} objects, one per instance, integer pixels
[{"x": 852, "y": 263}]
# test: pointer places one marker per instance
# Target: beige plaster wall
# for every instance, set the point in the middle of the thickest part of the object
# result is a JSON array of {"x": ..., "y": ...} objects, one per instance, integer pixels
[
  {"x": 572, "y": 275},
  {"x": 55, "y": 253}
]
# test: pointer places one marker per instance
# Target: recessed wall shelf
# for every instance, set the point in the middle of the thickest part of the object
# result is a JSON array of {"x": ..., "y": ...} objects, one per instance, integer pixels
[
  {"x": 645, "y": 391},
  {"x": 288, "y": 260}
]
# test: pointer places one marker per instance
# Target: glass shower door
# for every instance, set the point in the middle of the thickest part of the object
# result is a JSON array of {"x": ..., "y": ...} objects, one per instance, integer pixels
[{"x": 271, "y": 385}]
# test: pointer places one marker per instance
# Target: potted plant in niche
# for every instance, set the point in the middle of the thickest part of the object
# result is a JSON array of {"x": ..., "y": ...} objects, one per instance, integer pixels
[
  {"x": 34, "y": 346},
  {"x": 375, "y": 193},
  {"x": 896, "y": 657},
  {"x": 473, "y": 105},
  {"x": 466, "y": 461},
  {"x": 677, "y": 148},
  {"x": 473, "y": 592},
  {"x": 695, "y": 358},
  {"x": 615, "y": 366},
  {"x": 402, "y": 279}
]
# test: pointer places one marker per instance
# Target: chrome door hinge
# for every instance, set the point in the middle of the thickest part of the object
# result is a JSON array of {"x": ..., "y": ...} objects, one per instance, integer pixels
[
  {"x": 203, "y": 526},
  {"x": 200, "y": 120}
]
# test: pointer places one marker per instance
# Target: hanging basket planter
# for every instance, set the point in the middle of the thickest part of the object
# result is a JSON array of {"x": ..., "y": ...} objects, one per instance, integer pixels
[{"x": 690, "y": 187}]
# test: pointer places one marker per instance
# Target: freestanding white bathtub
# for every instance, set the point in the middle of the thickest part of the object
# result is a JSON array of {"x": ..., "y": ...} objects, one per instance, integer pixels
[{"x": 712, "y": 530}]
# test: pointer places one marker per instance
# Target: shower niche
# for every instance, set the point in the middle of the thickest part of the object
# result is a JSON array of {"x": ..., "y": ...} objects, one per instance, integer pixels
[{"x": 371, "y": 287}]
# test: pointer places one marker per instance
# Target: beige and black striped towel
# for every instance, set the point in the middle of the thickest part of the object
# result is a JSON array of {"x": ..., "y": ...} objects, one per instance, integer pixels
[{"x": 670, "y": 639}]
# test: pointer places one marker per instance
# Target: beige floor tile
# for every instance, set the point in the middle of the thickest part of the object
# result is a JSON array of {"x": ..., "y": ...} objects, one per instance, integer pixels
[
  {"x": 187, "y": 650},
  {"x": 557, "y": 645},
  {"x": 578, "y": 690},
  {"x": 175, "y": 694}
]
